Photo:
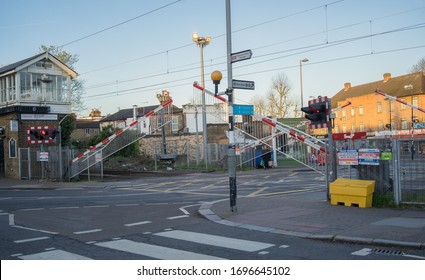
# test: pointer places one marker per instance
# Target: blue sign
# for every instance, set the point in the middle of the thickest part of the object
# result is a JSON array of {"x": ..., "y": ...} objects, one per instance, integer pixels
[{"x": 243, "y": 109}]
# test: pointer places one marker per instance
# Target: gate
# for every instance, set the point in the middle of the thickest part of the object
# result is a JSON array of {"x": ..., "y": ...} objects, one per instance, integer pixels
[{"x": 409, "y": 171}]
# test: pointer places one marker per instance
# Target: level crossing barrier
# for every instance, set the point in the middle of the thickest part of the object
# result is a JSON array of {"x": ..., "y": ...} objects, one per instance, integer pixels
[{"x": 122, "y": 138}]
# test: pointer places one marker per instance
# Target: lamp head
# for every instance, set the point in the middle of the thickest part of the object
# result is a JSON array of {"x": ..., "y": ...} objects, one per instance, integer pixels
[
  {"x": 195, "y": 36},
  {"x": 216, "y": 77}
]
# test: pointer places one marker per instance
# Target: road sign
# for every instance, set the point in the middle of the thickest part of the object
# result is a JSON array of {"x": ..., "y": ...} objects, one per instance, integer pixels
[
  {"x": 240, "y": 84},
  {"x": 243, "y": 55},
  {"x": 243, "y": 109},
  {"x": 348, "y": 157},
  {"x": 369, "y": 156}
]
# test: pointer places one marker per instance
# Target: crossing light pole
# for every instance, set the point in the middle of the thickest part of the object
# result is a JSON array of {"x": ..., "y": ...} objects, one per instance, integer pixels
[{"x": 202, "y": 42}]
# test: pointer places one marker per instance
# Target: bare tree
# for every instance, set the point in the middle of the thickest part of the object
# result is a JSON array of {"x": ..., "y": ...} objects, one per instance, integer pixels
[
  {"x": 260, "y": 104},
  {"x": 418, "y": 67},
  {"x": 278, "y": 99}
]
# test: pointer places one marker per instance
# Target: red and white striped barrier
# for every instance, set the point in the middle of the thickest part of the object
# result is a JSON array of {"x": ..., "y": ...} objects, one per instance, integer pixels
[
  {"x": 291, "y": 131},
  {"x": 399, "y": 100},
  {"x": 110, "y": 138}
]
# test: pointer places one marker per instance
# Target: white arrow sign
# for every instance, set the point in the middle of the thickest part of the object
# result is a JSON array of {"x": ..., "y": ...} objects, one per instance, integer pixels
[
  {"x": 239, "y": 56},
  {"x": 243, "y": 84}
]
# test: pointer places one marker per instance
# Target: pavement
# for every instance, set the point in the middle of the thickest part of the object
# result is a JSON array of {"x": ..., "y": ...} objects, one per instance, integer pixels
[
  {"x": 310, "y": 215},
  {"x": 306, "y": 215}
]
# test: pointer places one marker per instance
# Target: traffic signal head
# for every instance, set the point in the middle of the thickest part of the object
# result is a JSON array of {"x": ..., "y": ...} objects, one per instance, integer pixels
[
  {"x": 317, "y": 113},
  {"x": 41, "y": 134}
]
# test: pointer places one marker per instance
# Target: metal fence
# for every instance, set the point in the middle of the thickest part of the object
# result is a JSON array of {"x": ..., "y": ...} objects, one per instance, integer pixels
[
  {"x": 409, "y": 170},
  {"x": 50, "y": 163}
]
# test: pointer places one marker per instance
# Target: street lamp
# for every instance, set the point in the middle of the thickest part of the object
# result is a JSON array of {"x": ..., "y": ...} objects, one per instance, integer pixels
[
  {"x": 301, "y": 79},
  {"x": 202, "y": 42}
]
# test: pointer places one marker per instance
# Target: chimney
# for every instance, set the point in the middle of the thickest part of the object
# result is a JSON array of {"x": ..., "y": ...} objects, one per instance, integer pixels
[
  {"x": 347, "y": 86},
  {"x": 387, "y": 77}
]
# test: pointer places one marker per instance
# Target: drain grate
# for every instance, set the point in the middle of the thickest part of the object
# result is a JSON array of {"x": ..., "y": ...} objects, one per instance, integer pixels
[{"x": 388, "y": 252}]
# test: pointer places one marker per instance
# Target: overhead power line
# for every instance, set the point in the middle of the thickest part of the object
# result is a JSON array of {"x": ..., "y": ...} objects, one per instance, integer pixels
[
  {"x": 214, "y": 37},
  {"x": 121, "y": 23}
]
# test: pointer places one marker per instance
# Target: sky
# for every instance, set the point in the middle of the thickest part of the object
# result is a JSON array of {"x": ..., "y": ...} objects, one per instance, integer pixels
[{"x": 130, "y": 50}]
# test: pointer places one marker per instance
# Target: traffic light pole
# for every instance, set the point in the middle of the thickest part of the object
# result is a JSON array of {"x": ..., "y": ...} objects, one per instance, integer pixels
[{"x": 232, "y": 146}]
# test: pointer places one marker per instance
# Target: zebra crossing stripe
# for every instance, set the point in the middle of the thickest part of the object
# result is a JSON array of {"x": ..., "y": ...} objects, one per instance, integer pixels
[
  {"x": 215, "y": 240},
  {"x": 154, "y": 251},
  {"x": 54, "y": 255}
]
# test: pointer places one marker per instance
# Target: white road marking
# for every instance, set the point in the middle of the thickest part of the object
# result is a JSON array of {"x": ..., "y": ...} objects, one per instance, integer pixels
[
  {"x": 11, "y": 220},
  {"x": 263, "y": 253},
  {"x": 54, "y": 255},
  {"x": 127, "y": 205},
  {"x": 215, "y": 240},
  {"x": 138, "y": 223},
  {"x": 177, "y": 217},
  {"x": 64, "y": 207},
  {"x": 96, "y": 206},
  {"x": 34, "y": 229},
  {"x": 87, "y": 231},
  {"x": 363, "y": 252},
  {"x": 31, "y": 239},
  {"x": 31, "y": 209},
  {"x": 154, "y": 251},
  {"x": 413, "y": 256}
]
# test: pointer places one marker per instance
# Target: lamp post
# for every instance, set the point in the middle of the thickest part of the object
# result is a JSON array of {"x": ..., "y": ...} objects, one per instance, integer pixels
[
  {"x": 301, "y": 79},
  {"x": 202, "y": 42},
  {"x": 412, "y": 151}
]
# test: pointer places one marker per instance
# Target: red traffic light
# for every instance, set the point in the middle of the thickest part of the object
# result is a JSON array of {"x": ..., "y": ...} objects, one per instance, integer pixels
[{"x": 41, "y": 134}]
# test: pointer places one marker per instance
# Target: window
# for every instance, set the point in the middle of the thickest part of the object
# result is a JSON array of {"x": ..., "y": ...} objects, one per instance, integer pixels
[
  {"x": 361, "y": 110},
  {"x": 336, "y": 128},
  {"x": 403, "y": 124},
  {"x": 175, "y": 124},
  {"x": 353, "y": 127},
  {"x": 380, "y": 126},
  {"x": 343, "y": 113},
  {"x": 361, "y": 127},
  {"x": 87, "y": 131},
  {"x": 344, "y": 128},
  {"x": 352, "y": 111},
  {"x": 415, "y": 101},
  {"x": 403, "y": 106},
  {"x": 12, "y": 148},
  {"x": 45, "y": 65},
  {"x": 379, "y": 107}
]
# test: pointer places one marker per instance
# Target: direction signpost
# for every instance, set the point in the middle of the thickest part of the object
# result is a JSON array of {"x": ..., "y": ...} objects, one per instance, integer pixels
[
  {"x": 243, "y": 55},
  {"x": 241, "y": 84}
]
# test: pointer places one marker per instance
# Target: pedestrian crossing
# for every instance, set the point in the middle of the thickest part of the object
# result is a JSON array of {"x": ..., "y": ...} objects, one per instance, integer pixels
[{"x": 159, "y": 247}]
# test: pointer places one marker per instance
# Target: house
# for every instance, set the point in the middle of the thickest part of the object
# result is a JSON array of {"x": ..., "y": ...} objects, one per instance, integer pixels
[
  {"x": 174, "y": 119},
  {"x": 379, "y": 116},
  {"x": 34, "y": 92},
  {"x": 86, "y": 127}
]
